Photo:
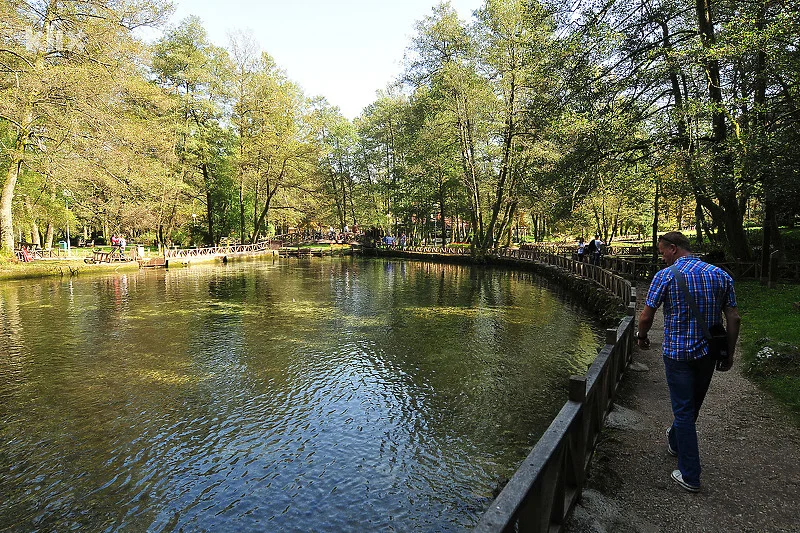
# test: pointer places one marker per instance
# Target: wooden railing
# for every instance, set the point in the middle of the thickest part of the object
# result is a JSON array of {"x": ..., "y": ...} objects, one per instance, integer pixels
[
  {"x": 543, "y": 491},
  {"x": 639, "y": 268},
  {"x": 572, "y": 248},
  {"x": 431, "y": 249},
  {"x": 754, "y": 269},
  {"x": 617, "y": 285},
  {"x": 541, "y": 494},
  {"x": 556, "y": 248},
  {"x": 637, "y": 263}
]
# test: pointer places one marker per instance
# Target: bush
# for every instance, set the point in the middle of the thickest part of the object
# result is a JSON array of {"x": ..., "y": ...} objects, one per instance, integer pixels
[{"x": 775, "y": 358}]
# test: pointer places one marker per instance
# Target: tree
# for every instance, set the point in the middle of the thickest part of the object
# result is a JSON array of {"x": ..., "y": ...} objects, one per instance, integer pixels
[
  {"x": 197, "y": 74},
  {"x": 338, "y": 138},
  {"x": 493, "y": 80},
  {"x": 61, "y": 64},
  {"x": 279, "y": 152},
  {"x": 707, "y": 78}
]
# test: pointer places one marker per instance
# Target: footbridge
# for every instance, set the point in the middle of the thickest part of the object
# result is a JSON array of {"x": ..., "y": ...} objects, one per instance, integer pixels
[{"x": 211, "y": 253}]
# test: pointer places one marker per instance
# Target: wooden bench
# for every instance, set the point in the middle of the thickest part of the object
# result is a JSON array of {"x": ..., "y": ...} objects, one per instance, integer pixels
[
  {"x": 99, "y": 256},
  {"x": 153, "y": 262}
]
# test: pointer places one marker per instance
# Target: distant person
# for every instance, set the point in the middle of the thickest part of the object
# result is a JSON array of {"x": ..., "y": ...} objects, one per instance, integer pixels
[
  {"x": 687, "y": 362},
  {"x": 403, "y": 241},
  {"x": 594, "y": 249},
  {"x": 581, "y": 250}
]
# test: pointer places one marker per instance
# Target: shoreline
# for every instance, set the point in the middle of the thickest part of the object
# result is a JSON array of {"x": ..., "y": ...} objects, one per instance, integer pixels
[{"x": 48, "y": 268}]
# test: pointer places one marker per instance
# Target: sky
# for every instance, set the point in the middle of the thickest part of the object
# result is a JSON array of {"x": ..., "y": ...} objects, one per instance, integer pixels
[{"x": 344, "y": 50}]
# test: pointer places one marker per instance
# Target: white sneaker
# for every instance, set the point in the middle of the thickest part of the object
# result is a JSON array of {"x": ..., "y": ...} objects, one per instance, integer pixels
[
  {"x": 670, "y": 451},
  {"x": 677, "y": 477}
]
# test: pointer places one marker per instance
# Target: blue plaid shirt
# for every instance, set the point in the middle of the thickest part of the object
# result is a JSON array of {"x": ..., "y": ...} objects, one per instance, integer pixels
[{"x": 712, "y": 289}]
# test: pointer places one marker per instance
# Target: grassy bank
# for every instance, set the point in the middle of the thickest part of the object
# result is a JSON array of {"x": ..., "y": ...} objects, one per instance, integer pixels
[{"x": 770, "y": 339}]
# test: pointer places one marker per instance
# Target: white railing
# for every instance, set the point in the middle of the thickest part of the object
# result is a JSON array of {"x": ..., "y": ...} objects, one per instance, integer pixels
[{"x": 214, "y": 251}]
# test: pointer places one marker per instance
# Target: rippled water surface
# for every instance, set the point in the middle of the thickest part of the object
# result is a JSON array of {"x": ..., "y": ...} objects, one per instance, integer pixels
[{"x": 319, "y": 395}]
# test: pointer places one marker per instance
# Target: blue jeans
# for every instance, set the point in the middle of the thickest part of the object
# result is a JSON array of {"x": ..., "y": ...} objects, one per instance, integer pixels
[{"x": 688, "y": 383}]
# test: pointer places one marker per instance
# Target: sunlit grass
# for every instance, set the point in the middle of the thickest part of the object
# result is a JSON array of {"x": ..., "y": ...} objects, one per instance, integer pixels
[{"x": 772, "y": 314}]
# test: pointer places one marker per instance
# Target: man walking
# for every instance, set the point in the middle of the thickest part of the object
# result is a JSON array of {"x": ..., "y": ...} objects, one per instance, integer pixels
[
  {"x": 688, "y": 366},
  {"x": 595, "y": 250}
]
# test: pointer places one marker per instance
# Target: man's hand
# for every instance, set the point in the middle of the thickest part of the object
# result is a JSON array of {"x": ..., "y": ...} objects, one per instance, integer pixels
[
  {"x": 723, "y": 365},
  {"x": 645, "y": 323},
  {"x": 732, "y": 321}
]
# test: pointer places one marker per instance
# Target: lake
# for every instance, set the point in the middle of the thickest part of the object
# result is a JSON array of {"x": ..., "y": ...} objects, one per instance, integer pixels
[{"x": 325, "y": 394}]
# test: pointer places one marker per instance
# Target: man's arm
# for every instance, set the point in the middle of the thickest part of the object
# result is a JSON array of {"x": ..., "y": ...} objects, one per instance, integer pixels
[
  {"x": 732, "y": 323},
  {"x": 645, "y": 323}
]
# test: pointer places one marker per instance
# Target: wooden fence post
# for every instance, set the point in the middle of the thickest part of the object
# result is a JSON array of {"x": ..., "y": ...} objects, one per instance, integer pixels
[
  {"x": 773, "y": 269},
  {"x": 577, "y": 389}
]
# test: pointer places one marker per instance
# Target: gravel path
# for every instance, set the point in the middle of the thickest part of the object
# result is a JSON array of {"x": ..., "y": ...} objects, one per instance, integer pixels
[{"x": 749, "y": 448}]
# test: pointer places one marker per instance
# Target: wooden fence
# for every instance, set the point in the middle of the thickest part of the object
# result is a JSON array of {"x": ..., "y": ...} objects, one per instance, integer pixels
[
  {"x": 542, "y": 493},
  {"x": 617, "y": 285},
  {"x": 638, "y": 264}
]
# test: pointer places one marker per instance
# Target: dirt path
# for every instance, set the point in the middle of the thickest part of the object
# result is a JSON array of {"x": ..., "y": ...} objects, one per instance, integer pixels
[{"x": 749, "y": 448}]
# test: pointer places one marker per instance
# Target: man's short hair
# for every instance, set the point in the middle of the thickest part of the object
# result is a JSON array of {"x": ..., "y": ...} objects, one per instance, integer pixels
[{"x": 678, "y": 239}]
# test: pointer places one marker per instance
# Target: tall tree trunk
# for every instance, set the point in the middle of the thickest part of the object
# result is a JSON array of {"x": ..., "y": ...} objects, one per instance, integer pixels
[
  {"x": 759, "y": 104},
  {"x": 505, "y": 167},
  {"x": 241, "y": 212},
  {"x": 48, "y": 237},
  {"x": 36, "y": 237},
  {"x": 766, "y": 242},
  {"x": 350, "y": 186},
  {"x": 722, "y": 174},
  {"x": 339, "y": 205},
  {"x": 7, "y": 197},
  {"x": 271, "y": 191},
  {"x": 207, "y": 178},
  {"x": 655, "y": 218},
  {"x": 470, "y": 178},
  {"x": 698, "y": 223}
]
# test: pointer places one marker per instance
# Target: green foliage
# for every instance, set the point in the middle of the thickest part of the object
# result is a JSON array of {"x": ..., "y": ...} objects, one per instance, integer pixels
[
  {"x": 528, "y": 119},
  {"x": 65, "y": 71}
]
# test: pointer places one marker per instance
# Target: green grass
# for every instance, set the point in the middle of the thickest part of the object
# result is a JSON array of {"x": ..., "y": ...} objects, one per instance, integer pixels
[
  {"x": 790, "y": 237},
  {"x": 769, "y": 318}
]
